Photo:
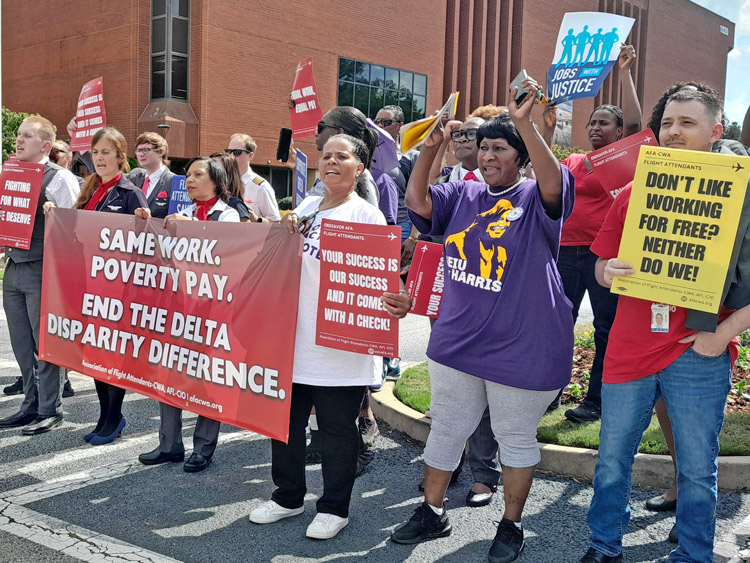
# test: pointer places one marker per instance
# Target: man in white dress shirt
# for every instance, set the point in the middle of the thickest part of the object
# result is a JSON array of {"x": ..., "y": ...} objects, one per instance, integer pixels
[
  {"x": 153, "y": 176},
  {"x": 259, "y": 194},
  {"x": 41, "y": 409}
]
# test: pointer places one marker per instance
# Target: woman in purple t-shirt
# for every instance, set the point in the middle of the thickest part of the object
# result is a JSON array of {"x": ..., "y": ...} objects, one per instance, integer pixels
[{"x": 503, "y": 297}]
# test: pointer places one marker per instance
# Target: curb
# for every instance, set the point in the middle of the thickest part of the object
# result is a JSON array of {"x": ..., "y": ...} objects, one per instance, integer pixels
[{"x": 649, "y": 470}]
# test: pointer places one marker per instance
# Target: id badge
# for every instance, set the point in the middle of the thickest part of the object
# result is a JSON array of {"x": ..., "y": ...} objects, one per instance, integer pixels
[{"x": 659, "y": 317}]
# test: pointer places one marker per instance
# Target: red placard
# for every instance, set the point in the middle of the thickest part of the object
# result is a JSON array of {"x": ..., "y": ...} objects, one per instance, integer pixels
[
  {"x": 20, "y": 185},
  {"x": 426, "y": 280},
  {"x": 306, "y": 111},
  {"x": 357, "y": 264},
  {"x": 90, "y": 114},
  {"x": 174, "y": 313},
  {"x": 614, "y": 165}
]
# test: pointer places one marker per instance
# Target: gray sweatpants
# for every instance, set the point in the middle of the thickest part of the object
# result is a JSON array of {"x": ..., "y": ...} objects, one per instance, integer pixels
[{"x": 456, "y": 407}]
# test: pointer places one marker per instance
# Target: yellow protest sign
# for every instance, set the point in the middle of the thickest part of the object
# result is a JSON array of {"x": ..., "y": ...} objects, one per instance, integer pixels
[
  {"x": 414, "y": 134},
  {"x": 681, "y": 225}
]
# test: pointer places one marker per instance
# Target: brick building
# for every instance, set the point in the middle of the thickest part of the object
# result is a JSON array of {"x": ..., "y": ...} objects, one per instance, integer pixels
[{"x": 209, "y": 68}]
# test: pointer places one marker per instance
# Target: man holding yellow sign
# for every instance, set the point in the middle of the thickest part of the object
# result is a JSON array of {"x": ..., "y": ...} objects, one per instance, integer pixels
[{"x": 678, "y": 236}]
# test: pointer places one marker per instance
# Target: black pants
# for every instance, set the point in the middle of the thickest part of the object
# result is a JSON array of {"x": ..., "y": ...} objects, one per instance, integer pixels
[
  {"x": 576, "y": 265},
  {"x": 336, "y": 409}
]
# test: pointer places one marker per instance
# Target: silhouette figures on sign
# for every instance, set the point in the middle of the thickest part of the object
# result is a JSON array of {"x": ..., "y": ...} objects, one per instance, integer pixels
[{"x": 599, "y": 47}]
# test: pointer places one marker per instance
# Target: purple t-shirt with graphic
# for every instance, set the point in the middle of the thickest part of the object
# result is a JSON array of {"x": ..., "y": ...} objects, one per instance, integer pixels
[{"x": 504, "y": 316}]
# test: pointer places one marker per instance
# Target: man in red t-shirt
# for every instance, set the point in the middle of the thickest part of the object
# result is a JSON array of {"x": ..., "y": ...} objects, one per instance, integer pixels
[{"x": 652, "y": 354}]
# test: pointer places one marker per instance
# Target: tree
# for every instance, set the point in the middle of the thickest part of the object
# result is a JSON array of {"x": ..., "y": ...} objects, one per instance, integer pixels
[
  {"x": 732, "y": 131},
  {"x": 11, "y": 123}
]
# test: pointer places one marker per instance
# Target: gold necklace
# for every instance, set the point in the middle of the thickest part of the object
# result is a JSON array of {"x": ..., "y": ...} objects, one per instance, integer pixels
[{"x": 320, "y": 207}]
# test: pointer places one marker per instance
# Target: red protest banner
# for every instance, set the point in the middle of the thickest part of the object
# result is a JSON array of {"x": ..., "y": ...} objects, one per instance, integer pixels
[
  {"x": 358, "y": 263},
  {"x": 614, "y": 165},
  {"x": 174, "y": 314},
  {"x": 426, "y": 279},
  {"x": 306, "y": 111},
  {"x": 90, "y": 114},
  {"x": 20, "y": 185}
]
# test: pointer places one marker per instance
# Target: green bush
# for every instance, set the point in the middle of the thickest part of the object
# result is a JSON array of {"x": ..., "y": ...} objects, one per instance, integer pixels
[
  {"x": 285, "y": 204},
  {"x": 11, "y": 122},
  {"x": 561, "y": 153}
]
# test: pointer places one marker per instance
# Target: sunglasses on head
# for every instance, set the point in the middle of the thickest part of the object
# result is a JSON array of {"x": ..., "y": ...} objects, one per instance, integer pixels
[
  {"x": 237, "y": 152},
  {"x": 323, "y": 126},
  {"x": 469, "y": 134},
  {"x": 386, "y": 122}
]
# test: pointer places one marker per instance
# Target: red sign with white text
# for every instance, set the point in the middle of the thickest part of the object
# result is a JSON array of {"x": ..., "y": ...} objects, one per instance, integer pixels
[
  {"x": 358, "y": 263},
  {"x": 90, "y": 114},
  {"x": 426, "y": 279},
  {"x": 614, "y": 165},
  {"x": 20, "y": 185},
  {"x": 306, "y": 111},
  {"x": 200, "y": 315}
]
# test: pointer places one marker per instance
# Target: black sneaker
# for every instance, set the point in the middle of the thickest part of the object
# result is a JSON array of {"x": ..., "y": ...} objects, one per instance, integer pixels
[
  {"x": 423, "y": 525},
  {"x": 508, "y": 543},
  {"x": 14, "y": 388},
  {"x": 594, "y": 556},
  {"x": 585, "y": 412},
  {"x": 68, "y": 389}
]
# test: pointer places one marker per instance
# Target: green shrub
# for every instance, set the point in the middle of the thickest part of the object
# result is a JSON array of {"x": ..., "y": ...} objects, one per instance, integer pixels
[
  {"x": 561, "y": 153},
  {"x": 285, "y": 203},
  {"x": 11, "y": 122}
]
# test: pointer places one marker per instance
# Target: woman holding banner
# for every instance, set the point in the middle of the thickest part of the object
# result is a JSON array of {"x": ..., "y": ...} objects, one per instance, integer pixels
[
  {"x": 207, "y": 185},
  {"x": 606, "y": 125},
  {"x": 235, "y": 187},
  {"x": 502, "y": 289},
  {"x": 332, "y": 381},
  {"x": 109, "y": 191}
]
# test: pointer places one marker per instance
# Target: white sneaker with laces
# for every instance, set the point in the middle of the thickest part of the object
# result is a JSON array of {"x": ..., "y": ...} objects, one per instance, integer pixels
[
  {"x": 325, "y": 526},
  {"x": 271, "y": 511}
]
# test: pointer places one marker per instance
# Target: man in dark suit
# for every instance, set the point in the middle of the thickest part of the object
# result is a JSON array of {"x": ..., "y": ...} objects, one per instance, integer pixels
[{"x": 153, "y": 176}]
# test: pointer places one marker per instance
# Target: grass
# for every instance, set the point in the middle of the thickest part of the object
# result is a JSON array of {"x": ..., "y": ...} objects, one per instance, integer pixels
[{"x": 413, "y": 389}]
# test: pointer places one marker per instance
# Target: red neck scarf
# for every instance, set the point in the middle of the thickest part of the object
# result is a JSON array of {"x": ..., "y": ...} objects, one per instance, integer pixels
[
  {"x": 203, "y": 207},
  {"x": 101, "y": 191}
]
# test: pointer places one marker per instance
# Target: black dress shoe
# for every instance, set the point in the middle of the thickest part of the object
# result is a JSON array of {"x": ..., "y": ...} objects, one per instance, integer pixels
[
  {"x": 196, "y": 462},
  {"x": 475, "y": 499},
  {"x": 68, "y": 390},
  {"x": 594, "y": 556},
  {"x": 672, "y": 537},
  {"x": 15, "y": 388},
  {"x": 661, "y": 504},
  {"x": 155, "y": 457},
  {"x": 42, "y": 424},
  {"x": 18, "y": 419}
]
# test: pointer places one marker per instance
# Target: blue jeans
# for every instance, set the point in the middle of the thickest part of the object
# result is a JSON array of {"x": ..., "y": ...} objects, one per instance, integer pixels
[
  {"x": 576, "y": 265},
  {"x": 695, "y": 390},
  {"x": 405, "y": 230}
]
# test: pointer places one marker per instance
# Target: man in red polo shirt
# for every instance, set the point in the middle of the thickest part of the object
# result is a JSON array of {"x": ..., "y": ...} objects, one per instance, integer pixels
[{"x": 651, "y": 356}]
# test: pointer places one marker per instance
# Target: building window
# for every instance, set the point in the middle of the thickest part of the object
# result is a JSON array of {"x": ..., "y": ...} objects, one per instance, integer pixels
[
  {"x": 170, "y": 45},
  {"x": 368, "y": 87}
]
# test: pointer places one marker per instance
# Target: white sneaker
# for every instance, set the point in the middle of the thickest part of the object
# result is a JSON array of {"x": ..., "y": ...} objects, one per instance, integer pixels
[
  {"x": 271, "y": 511},
  {"x": 325, "y": 526}
]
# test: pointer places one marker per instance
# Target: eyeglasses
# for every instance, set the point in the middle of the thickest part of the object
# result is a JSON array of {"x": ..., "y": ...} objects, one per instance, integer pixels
[
  {"x": 323, "y": 126},
  {"x": 237, "y": 152},
  {"x": 469, "y": 134},
  {"x": 305, "y": 223},
  {"x": 144, "y": 150},
  {"x": 386, "y": 122}
]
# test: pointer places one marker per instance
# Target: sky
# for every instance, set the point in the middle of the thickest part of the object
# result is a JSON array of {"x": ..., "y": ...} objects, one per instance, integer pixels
[{"x": 737, "y": 97}]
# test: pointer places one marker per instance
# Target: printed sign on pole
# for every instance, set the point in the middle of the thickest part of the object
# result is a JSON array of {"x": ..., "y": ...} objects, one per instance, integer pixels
[
  {"x": 426, "y": 279},
  {"x": 306, "y": 111},
  {"x": 588, "y": 45},
  {"x": 358, "y": 263},
  {"x": 179, "y": 199},
  {"x": 300, "y": 176},
  {"x": 681, "y": 226},
  {"x": 20, "y": 185},
  {"x": 90, "y": 114},
  {"x": 614, "y": 165}
]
